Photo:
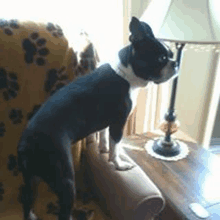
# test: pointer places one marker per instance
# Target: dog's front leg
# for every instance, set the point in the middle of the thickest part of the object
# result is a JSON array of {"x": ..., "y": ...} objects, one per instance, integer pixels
[
  {"x": 117, "y": 154},
  {"x": 104, "y": 141}
]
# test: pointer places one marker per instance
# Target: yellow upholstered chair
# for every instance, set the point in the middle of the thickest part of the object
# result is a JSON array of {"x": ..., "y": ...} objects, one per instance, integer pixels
[{"x": 35, "y": 60}]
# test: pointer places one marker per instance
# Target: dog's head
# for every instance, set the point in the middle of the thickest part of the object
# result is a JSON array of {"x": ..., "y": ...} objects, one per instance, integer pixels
[{"x": 150, "y": 59}]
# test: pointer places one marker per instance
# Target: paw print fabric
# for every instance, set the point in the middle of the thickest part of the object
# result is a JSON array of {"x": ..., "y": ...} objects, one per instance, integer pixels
[
  {"x": 35, "y": 61},
  {"x": 8, "y": 84},
  {"x": 35, "y": 46}
]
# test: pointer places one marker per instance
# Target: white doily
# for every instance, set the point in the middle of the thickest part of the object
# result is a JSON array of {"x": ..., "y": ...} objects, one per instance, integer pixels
[{"x": 184, "y": 151}]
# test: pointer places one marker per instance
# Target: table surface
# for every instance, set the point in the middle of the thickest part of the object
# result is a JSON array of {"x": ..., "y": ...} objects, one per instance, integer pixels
[{"x": 195, "y": 179}]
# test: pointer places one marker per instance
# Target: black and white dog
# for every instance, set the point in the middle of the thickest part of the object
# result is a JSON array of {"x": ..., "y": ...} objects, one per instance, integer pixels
[{"x": 103, "y": 99}]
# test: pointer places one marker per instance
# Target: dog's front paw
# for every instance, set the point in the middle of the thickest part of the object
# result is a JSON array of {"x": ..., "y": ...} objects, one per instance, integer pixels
[{"x": 121, "y": 165}]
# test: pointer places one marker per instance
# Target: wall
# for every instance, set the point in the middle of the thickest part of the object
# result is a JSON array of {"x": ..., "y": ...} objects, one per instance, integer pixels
[{"x": 194, "y": 94}]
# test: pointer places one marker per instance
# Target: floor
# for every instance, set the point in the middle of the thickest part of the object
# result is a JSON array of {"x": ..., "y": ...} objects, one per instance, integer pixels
[
  {"x": 167, "y": 214},
  {"x": 15, "y": 213}
]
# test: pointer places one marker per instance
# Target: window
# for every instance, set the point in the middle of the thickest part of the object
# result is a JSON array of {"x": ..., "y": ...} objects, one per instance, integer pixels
[{"x": 102, "y": 20}]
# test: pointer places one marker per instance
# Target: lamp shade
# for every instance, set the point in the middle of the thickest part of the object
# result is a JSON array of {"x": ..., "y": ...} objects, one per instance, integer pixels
[{"x": 186, "y": 21}]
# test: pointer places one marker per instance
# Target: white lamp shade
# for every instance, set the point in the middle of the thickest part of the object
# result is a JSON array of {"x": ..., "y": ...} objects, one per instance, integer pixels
[{"x": 187, "y": 21}]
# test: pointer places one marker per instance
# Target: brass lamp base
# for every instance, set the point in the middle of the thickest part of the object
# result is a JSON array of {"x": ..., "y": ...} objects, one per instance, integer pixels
[
  {"x": 166, "y": 149},
  {"x": 172, "y": 150}
]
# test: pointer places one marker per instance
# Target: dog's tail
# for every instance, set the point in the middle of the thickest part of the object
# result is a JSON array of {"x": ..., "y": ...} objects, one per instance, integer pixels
[{"x": 12, "y": 165}]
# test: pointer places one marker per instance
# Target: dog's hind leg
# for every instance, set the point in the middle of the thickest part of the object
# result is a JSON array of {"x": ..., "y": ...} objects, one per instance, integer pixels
[
  {"x": 58, "y": 173},
  {"x": 66, "y": 198},
  {"x": 52, "y": 162},
  {"x": 28, "y": 196}
]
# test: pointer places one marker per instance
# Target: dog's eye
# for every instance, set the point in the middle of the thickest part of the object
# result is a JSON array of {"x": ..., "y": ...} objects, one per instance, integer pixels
[{"x": 162, "y": 59}]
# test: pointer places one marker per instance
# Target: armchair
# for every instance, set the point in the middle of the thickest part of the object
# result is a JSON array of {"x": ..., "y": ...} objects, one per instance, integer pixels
[
  {"x": 129, "y": 195},
  {"x": 24, "y": 86}
]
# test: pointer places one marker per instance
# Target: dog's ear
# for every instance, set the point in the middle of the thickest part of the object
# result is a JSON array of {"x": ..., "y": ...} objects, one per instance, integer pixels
[
  {"x": 139, "y": 30},
  {"x": 147, "y": 29},
  {"x": 135, "y": 27}
]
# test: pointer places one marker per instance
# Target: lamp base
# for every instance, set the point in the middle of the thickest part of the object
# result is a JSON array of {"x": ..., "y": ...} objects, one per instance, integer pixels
[
  {"x": 166, "y": 149},
  {"x": 163, "y": 150}
]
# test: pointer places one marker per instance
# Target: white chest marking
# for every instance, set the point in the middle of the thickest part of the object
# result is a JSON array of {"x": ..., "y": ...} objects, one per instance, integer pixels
[
  {"x": 136, "y": 83},
  {"x": 133, "y": 93}
]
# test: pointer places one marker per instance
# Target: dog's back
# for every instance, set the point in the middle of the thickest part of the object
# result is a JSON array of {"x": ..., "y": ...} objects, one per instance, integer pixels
[{"x": 86, "y": 105}]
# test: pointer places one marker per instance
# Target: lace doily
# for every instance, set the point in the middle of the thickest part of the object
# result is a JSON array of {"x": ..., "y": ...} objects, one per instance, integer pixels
[{"x": 184, "y": 151}]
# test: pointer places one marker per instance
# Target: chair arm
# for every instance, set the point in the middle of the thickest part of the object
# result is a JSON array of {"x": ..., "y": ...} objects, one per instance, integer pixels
[{"x": 129, "y": 195}]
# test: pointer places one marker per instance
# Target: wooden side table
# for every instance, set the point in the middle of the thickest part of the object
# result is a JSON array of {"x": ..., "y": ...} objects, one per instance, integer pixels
[{"x": 195, "y": 179}]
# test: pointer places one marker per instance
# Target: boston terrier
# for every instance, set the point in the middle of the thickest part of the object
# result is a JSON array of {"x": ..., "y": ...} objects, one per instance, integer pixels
[{"x": 99, "y": 101}]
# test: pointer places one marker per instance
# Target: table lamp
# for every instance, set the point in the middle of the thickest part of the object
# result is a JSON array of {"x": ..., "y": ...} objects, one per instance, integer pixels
[{"x": 183, "y": 23}]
